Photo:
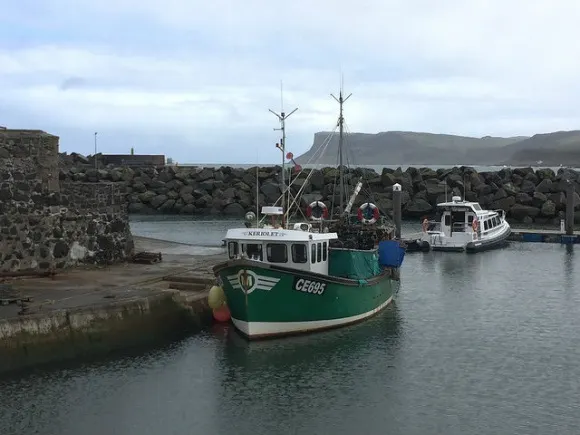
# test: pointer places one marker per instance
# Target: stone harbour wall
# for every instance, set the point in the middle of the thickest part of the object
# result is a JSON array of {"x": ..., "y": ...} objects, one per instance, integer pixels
[
  {"x": 47, "y": 225},
  {"x": 527, "y": 195}
]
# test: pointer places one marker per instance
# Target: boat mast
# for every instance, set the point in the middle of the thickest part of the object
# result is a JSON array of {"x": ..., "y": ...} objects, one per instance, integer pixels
[
  {"x": 282, "y": 117},
  {"x": 341, "y": 101}
]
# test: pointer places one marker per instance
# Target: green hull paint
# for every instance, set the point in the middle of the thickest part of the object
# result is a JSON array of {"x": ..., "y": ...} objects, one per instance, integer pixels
[{"x": 275, "y": 298}]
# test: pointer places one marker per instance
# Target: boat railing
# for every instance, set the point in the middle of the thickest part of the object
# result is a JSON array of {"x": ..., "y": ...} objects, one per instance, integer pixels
[{"x": 501, "y": 213}]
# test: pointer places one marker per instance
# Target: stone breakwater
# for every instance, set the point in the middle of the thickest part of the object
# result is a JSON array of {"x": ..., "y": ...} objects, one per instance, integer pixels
[{"x": 527, "y": 195}]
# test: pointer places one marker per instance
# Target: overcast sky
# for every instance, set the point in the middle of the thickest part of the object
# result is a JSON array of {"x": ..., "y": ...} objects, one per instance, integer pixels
[{"x": 194, "y": 79}]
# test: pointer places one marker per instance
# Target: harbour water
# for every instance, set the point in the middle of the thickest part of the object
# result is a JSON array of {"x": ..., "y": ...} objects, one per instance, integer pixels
[{"x": 475, "y": 344}]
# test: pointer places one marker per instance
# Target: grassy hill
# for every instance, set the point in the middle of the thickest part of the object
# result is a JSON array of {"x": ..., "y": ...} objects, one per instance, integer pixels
[{"x": 413, "y": 148}]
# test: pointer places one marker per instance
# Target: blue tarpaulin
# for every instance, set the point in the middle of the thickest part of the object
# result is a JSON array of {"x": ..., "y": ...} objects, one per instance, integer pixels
[{"x": 391, "y": 254}]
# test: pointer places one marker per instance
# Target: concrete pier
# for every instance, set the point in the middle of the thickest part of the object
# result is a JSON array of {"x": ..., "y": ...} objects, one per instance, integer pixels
[
  {"x": 88, "y": 312},
  {"x": 544, "y": 236}
]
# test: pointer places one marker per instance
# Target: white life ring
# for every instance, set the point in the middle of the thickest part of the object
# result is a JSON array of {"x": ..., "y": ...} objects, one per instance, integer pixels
[
  {"x": 323, "y": 214},
  {"x": 375, "y": 211}
]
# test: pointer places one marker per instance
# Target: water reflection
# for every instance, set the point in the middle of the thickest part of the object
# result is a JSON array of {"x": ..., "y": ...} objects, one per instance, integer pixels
[
  {"x": 568, "y": 263},
  {"x": 298, "y": 379}
]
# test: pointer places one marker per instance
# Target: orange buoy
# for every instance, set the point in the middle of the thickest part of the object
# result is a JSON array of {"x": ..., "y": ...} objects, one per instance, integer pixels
[{"x": 222, "y": 314}]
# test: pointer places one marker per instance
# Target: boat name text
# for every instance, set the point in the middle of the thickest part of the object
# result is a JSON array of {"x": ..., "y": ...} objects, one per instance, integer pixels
[
  {"x": 308, "y": 286},
  {"x": 264, "y": 233}
]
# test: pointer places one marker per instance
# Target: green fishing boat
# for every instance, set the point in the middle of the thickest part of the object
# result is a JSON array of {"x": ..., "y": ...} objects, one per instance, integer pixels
[{"x": 320, "y": 273}]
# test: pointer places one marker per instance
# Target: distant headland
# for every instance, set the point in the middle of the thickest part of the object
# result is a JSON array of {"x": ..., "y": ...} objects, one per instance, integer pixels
[{"x": 412, "y": 148}]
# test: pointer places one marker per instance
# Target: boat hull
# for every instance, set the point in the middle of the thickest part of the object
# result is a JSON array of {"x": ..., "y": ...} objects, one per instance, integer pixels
[
  {"x": 268, "y": 301},
  {"x": 462, "y": 243},
  {"x": 499, "y": 241}
]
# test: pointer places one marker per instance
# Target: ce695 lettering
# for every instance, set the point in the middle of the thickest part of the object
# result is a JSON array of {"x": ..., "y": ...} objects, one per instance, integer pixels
[{"x": 307, "y": 286}]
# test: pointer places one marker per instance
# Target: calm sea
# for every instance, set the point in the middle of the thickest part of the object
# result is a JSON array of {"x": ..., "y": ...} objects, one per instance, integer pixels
[{"x": 475, "y": 344}]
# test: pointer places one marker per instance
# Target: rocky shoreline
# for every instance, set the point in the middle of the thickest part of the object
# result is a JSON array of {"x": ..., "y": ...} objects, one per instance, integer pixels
[{"x": 527, "y": 195}]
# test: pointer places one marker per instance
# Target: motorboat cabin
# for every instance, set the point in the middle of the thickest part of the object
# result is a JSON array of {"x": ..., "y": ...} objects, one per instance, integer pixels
[
  {"x": 465, "y": 226},
  {"x": 297, "y": 248}
]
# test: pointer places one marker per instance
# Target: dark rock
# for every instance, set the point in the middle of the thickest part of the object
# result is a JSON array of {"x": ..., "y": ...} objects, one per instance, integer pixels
[
  {"x": 505, "y": 203},
  {"x": 559, "y": 200},
  {"x": 545, "y": 174},
  {"x": 538, "y": 199},
  {"x": 548, "y": 209},
  {"x": 510, "y": 189},
  {"x": 60, "y": 249},
  {"x": 523, "y": 198},
  {"x": 205, "y": 174},
  {"x": 528, "y": 186},
  {"x": 146, "y": 197},
  {"x": 187, "y": 209},
  {"x": 483, "y": 189},
  {"x": 545, "y": 186},
  {"x": 139, "y": 187},
  {"x": 418, "y": 207},
  {"x": 234, "y": 209},
  {"x": 158, "y": 200},
  {"x": 5, "y": 194},
  {"x": 167, "y": 205},
  {"x": 519, "y": 212},
  {"x": 136, "y": 208},
  {"x": 317, "y": 180},
  {"x": 434, "y": 188},
  {"x": 271, "y": 191}
]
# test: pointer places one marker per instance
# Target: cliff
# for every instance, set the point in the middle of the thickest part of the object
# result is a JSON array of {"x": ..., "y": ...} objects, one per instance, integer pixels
[{"x": 410, "y": 148}]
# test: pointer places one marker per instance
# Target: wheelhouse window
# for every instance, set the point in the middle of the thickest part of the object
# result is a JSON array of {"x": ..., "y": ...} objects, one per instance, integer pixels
[
  {"x": 319, "y": 252},
  {"x": 476, "y": 207},
  {"x": 313, "y": 253},
  {"x": 233, "y": 249},
  {"x": 447, "y": 220},
  {"x": 254, "y": 251},
  {"x": 324, "y": 251},
  {"x": 299, "y": 253},
  {"x": 277, "y": 253}
]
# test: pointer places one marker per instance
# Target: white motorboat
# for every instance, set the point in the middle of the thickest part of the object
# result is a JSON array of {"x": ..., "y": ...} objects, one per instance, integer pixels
[{"x": 465, "y": 226}]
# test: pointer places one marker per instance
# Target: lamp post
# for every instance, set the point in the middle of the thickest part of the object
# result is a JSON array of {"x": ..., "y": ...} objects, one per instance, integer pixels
[{"x": 96, "y": 164}]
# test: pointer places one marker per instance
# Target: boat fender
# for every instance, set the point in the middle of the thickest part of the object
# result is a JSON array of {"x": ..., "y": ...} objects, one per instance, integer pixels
[
  {"x": 317, "y": 211},
  {"x": 425, "y": 225},
  {"x": 363, "y": 213}
]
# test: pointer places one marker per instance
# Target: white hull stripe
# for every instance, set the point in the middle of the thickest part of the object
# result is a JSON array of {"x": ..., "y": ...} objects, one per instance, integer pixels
[
  {"x": 263, "y": 282},
  {"x": 252, "y": 329}
]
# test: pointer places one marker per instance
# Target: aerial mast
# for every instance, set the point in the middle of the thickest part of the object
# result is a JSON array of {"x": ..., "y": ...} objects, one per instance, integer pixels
[
  {"x": 282, "y": 117},
  {"x": 341, "y": 100}
]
